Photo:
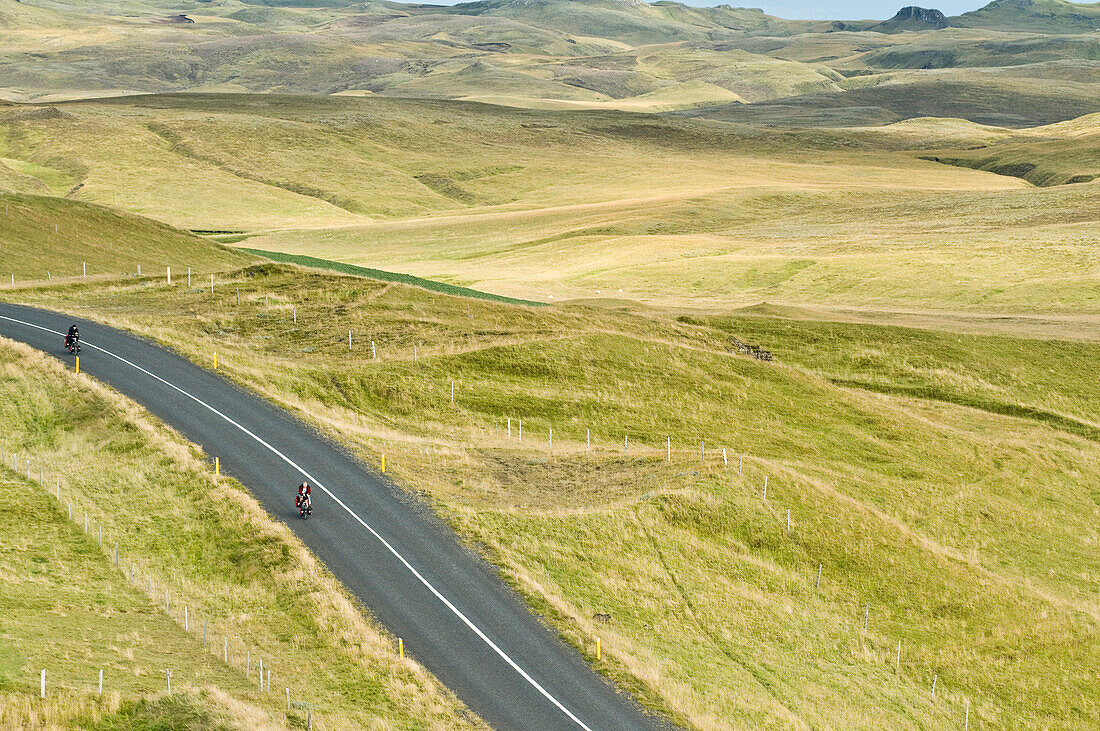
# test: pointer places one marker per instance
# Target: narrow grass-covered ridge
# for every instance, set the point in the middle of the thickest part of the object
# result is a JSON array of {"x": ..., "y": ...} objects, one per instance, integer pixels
[
  {"x": 43, "y": 238},
  {"x": 397, "y": 277}
]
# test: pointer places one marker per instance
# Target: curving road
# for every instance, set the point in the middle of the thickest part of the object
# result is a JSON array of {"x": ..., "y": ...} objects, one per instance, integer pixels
[{"x": 454, "y": 613}]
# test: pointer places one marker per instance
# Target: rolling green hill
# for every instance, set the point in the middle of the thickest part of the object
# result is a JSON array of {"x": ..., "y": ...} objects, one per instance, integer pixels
[
  {"x": 1049, "y": 158},
  {"x": 945, "y": 51},
  {"x": 1043, "y": 16},
  {"x": 551, "y": 205},
  {"x": 1002, "y": 99},
  {"x": 45, "y": 237}
]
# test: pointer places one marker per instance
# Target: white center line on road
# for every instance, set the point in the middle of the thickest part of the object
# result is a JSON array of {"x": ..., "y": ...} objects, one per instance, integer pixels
[{"x": 458, "y": 613}]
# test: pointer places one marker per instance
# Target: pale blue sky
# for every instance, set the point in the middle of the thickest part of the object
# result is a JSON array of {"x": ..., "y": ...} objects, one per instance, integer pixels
[{"x": 839, "y": 10}]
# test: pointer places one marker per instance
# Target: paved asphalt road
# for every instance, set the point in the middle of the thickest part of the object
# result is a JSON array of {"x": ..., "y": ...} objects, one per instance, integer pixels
[{"x": 454, "y": 613}]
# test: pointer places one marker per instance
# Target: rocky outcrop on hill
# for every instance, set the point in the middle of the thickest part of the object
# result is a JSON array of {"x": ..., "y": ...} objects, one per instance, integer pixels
[{"x": 912, "y": 18}]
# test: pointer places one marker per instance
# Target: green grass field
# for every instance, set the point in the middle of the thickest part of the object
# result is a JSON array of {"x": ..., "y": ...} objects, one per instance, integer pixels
[
  {"x": 931, "y": 475},
  {"x": 907, "y": 221},
  {"x": 69, "y": 610},
  {"x": 378, "y": 274}
]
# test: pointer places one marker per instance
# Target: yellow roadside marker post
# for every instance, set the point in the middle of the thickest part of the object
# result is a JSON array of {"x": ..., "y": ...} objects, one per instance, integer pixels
[{"x": 78, "y": 364}]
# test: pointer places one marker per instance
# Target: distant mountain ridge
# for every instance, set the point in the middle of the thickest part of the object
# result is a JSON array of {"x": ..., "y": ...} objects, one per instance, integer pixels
[
  {"x": 631, "y": 55},
  {"x": 1038, "y": 16},
  {"x": 1056, "y": 16}
]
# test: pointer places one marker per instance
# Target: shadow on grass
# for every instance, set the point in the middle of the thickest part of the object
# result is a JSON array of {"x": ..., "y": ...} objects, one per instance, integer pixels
[
  {"x": 167, "y": 712},
  {"x": 932, "y": 393}
]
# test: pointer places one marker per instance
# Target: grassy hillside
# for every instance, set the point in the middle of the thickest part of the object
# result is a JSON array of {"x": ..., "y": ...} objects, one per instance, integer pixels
[
  {"x": 542, "y": 205},
  {"x": 930, "y": 501},
  {"x": 947, "y": 52},
  {"x": 999, "y": 374},
  {"x": 1045, "y": 16},
  {"x": 1000, "y": 99},
  {"x": 69, "y": 610},
  {"x": 378, "y": 274},
  {"x": 43, "y": 237},
  {"x": 1049, "y": 158}
]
